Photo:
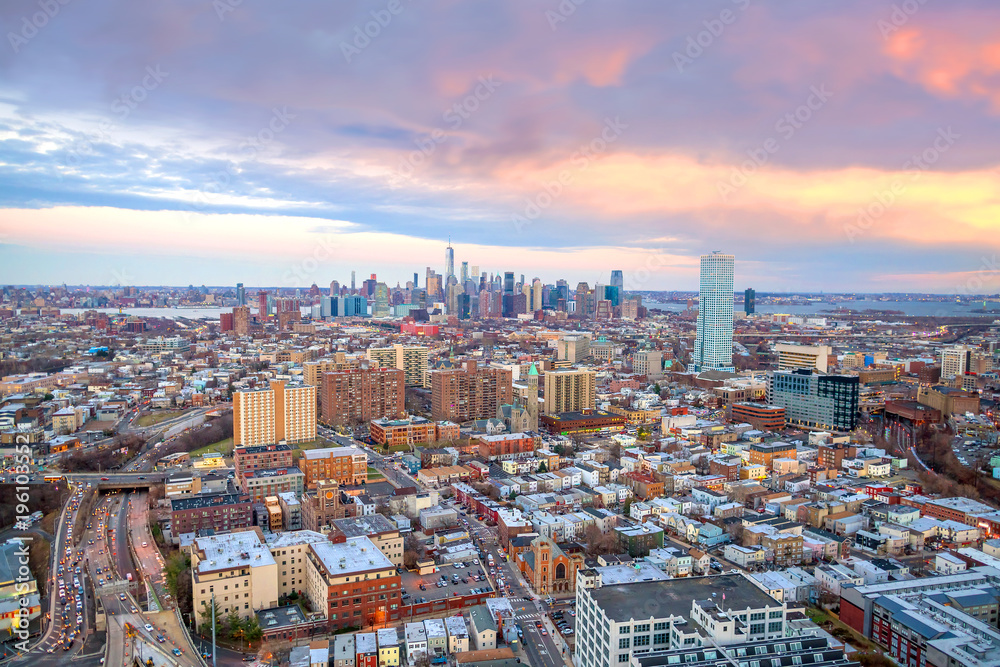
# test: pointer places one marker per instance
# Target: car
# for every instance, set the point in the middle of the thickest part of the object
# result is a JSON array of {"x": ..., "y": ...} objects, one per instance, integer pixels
[
  {"x": 249, "y": 658},
  {"x": 545, "y": 632},
  {"x": 422, "y": 587},
  {"x": 161, "y": 638},
  {"x": 143, "y": 545},
  {"x": 105, "y": 479},
  {"x": 176, "y": 651}
]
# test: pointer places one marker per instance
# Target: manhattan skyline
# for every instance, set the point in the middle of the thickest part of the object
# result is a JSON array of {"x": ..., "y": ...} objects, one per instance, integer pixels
[{"x": 207, "y": 143}]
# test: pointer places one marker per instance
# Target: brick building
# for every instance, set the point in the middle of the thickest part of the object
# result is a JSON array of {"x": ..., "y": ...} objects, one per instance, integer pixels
[
  {"x": 469, "y": 393},
  {"x": 762, "y": 417},
  {"x": 261, "y": 457},
  {"x": 346, "y": 465},
  {"x": 505, "y": 445},
  {"x": 221, "y": 512},
  {"x": 323, "y": 505},
  {"x": 258, "y": 484},
  {"x": 360, "y": 395}
]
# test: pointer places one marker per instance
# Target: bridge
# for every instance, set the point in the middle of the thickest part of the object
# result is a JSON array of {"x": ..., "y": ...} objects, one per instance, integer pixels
[{"x": 118, "y": 481}]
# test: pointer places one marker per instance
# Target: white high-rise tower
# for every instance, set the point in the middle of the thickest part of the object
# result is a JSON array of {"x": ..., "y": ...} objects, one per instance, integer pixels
[{"x": 713, "y": 346}]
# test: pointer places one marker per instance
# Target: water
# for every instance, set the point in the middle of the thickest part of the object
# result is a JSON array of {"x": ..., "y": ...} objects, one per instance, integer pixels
[{"x": 821, "y": 309}]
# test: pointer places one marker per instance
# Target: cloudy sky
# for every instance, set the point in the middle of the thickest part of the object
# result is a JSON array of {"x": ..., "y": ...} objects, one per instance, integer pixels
[{"x": 837, "y": 146}]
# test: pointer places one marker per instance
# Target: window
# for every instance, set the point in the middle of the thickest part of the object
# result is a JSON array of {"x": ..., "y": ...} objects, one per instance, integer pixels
[
  {"x": 623, "y": 657},
  {"x": 659, "y": 626},
  {"x": 624, "y": 629},
  {"x": 756, "y": 628},
  {"x": 623, "y": 642},
  {"x": 642, "y": 628},
  {"x": 774, "y": 626},
  {"x": 757, "y": 616},
  {"x": 642, "y": 640},
  {"x": 775, "y": 614},
  {"x": 661, "y": 638}
]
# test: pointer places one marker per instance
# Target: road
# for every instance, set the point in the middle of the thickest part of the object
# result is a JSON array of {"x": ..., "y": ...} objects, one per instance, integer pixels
[
  {"x": 549, "y": 648},
  {"x": 67, "y": 623}
]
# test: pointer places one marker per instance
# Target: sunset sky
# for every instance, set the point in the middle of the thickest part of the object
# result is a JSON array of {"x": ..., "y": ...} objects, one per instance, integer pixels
[{"x": 848, "y": 146}]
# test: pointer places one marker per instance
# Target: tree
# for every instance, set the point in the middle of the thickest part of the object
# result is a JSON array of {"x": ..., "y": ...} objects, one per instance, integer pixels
[
  {"x": 251, "y": 629},
  {"x": 626, "y": 506},
  {"x": 512, "y": 495},
  {"x": 543, "y": 467},
  {"x": 206, "y": 616},
  {"x": 234, "y": 625}
]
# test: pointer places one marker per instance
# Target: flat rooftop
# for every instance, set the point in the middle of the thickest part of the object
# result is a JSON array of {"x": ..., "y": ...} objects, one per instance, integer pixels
[
  {"x": 673, "y": 597},
  {"x": 357, "y": 554}
]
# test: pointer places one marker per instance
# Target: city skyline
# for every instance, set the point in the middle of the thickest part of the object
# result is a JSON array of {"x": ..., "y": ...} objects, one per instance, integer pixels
[{"x": 859, "y": 155}]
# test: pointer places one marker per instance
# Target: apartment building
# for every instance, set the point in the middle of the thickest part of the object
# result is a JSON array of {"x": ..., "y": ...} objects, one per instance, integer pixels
[
  {"x": 324, "y": 504},
  {"x": 792, "y": 356},
  {"x": 360, "y": 395},
  {"x": 464, "y": 394},
  {"x": 815, "y": 400},
  {"x": 570, "y": 390},
  {"x": 221, "y": 512},
  {"x": 352, "y": 583},
  {"x": 238, "y": 569},
  {"x": 258, "y": 484},
  {"x": 262, "y": 457},
  {"x": 278, "y": 414},
  {"x": 411, "y": 359},
  {"x": 676, "y": 613},
  {"x": 383, "y": 533},
  {"x": 345, "y": 465}
]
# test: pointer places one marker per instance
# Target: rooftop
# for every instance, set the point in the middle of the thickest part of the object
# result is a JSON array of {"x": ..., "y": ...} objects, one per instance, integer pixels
[
  {"x": 357, "y": 554},
  {"x": 673, "y": 597}
]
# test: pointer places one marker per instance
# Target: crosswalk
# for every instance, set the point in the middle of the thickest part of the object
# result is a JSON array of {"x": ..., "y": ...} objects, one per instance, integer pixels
[{"x": 527, "y": 617}]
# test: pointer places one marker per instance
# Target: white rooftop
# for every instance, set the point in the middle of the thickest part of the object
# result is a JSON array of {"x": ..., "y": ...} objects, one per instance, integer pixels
[
  {"x": 293, "y": 538},
  {"x": 357, "y": 554},
  {"x": 230, "y": 550}
]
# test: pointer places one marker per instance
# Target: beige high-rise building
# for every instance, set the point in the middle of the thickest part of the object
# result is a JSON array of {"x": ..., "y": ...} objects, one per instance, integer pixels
[
  {"x": 411, "y": 359},
  {"x": 956, "y": 361},
  {"x": 573, "y": 348},
  {"x": 536, "y": 295},
  {"x": 279, "y": 413},
  {"x": 312, "y": 371},
  {"x": 792, "y": 356},
  {"x": 570, "y": 390},
  {"x": 648, "y": 363}
]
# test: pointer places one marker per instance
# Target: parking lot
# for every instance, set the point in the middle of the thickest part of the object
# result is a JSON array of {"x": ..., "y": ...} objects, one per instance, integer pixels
[{"x": 411, "y": 583}]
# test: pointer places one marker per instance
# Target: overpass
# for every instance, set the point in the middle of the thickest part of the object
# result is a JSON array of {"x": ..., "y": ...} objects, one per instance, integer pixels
[{"x": 118, "y": 481}]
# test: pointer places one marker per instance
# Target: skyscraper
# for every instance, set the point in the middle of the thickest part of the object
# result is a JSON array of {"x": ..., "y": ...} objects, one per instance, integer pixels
[
  {"x": 449, "y": 262},
  {"x": 241, "y": 295},
  {"x": 749, "y": 301},
  {"x": 618, "y": 280},
  {"x": 262, "y": 304},
  {"x": 352, "y": 282},
  {"x": 713, "y": 346}
]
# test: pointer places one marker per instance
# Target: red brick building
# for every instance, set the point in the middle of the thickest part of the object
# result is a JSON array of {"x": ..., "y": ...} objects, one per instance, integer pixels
[
  {"x": 761, "y": 417},
  {"x": 262, "y": 457},
  {"x": 221, "y": 512},
  {"x": 505, "y": 445},
  {"x": 468, "y": 393},
  {"x": 361, "y": 395},
  {"x": 354, "y": 581}
]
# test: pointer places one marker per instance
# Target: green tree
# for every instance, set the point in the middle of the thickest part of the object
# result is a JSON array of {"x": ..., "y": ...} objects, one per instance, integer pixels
[
  {"x": 206, "y": 616},
  {"x": 235, "y": 625},
  {"x": 626, "y": 506},
  {"x": 543, "y": 467},
  {"x": 656, "y": 388},
  {"x": 512, "y": 495},
  {"x": 251, "y": 629}
]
